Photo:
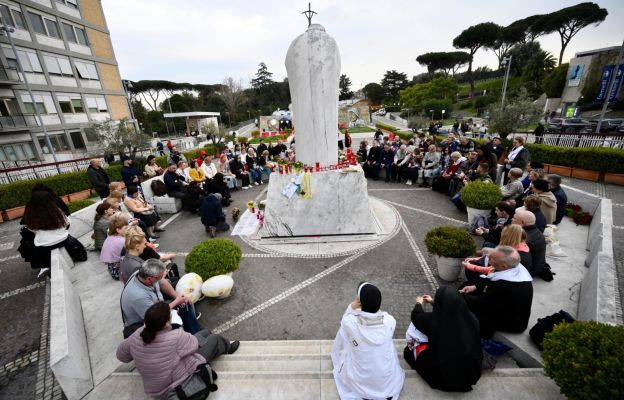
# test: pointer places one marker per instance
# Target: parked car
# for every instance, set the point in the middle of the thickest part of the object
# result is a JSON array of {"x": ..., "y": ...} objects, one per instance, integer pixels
[
  {"x": 621, "y": 128},
  {"x": 567, "y": 125},
  {"x": 608, "y": 125}
]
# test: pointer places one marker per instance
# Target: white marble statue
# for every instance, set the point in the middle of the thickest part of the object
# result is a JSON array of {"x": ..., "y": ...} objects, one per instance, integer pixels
[{"x": 313, "y": 66}]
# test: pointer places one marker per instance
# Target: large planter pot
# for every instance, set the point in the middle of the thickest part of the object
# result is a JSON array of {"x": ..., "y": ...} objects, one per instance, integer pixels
[
  {"x": 559, "y": 170},
  {"x": 475, "y": 212},
  {"x": 82, "y": 195},
  {"x": 448, "y": 268},
  {"x": 13, "y": 213},
  {"x": 616, "y": 179},
  {"x": 547, "y": 168},
  {"x": 585, "y": 174}
]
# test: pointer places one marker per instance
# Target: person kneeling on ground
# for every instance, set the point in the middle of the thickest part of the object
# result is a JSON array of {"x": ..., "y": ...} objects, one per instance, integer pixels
[
  {"x": 503, "y": 302},
  {"x": 212, "y": 215},
  {"x": 444, "y": 345},
  {"x": 366, "y": 365},
  {"x": 164, "y": 356}
]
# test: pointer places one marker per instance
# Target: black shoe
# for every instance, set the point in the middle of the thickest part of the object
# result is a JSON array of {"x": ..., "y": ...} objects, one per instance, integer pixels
[
  {"x": 233, "y": 347},
  {"x": 159, "y": 230},
  {"x": 387, "y": 180},
  {"x": 155, "y": 237}
]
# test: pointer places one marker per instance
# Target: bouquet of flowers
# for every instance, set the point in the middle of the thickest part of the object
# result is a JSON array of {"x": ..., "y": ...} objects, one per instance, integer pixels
[
  {"x": 235, "y": 213},
  {"x": 251, "y": 206}
]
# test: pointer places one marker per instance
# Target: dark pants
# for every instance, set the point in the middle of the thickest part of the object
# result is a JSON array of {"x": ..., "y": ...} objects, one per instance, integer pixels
[
  {"x": 211, "y": 345},
  {"x": 387, "y": 167},
  {"x": 244, "y": 178},
  {"x": 177, "y": 194},
  {"x": 189, "y": 319}
]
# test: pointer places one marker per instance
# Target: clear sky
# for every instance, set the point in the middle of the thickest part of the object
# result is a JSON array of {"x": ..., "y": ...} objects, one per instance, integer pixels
[{"x": 204, "y": 41}]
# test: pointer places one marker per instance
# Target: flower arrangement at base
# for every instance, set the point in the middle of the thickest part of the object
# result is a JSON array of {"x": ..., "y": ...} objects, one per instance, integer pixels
[
  {"x": 235, "y": 213},
  {"x": 262, "y": 205},
  {"x": 251, "y": 206},
  {"x": 577, "y": 214}
]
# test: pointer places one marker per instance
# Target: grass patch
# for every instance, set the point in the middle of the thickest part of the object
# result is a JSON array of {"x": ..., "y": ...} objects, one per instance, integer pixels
[
  {"x": 268, "y": 139},
  {"x": 358, "y": 129}
]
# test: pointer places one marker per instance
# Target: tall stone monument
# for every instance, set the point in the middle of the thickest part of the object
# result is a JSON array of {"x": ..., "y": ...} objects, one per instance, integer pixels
[
  {"x": 330, "y": 202},
  {"x": 313, "y": 67}
]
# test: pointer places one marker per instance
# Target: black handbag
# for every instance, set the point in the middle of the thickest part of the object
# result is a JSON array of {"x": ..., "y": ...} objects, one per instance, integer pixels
[
  {"x": 197, "y": 386},
  {"x": 26, "y": 248},
  {"x": 75, "y": 249},
  {"x": 546, "y": 325}
]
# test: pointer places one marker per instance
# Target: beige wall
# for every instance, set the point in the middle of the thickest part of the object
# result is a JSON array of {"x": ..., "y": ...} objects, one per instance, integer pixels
[
  {"x": 100, "y": 44},
  {"x": 92, "y": 12},
  {"x": 118, "y": 107},
  {"x": 109, "y": 76}
]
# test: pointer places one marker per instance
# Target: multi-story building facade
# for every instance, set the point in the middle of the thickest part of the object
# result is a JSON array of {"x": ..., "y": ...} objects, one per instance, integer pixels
[{"x": 65, "y": 50}]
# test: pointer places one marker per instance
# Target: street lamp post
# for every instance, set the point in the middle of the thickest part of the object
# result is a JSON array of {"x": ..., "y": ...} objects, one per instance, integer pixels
[
  {"x": 127, "y": 86},
  {"x": 431, "y": 111},
  {"x": 7, "y": 30},
  {"x": 229, "y": 121},
  {"x": 506, "y": 63}
]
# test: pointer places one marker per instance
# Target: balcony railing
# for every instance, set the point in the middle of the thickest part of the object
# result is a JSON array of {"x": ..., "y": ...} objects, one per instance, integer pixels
[
  {"x": 17, "y": 121},
  {"x": 9, "y": 74}
]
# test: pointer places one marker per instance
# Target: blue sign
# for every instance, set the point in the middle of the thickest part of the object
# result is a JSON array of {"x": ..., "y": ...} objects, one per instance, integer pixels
[
  {"x": 617, "y": 83},
  {"x": 607, "y": 70}
]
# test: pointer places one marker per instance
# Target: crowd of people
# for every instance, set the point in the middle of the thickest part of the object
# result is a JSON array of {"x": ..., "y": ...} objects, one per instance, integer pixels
[{"x": 443, "y": 341}]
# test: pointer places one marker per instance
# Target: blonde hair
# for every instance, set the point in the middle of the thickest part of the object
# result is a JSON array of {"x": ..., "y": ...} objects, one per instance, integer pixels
[
  {"x": 520, "y": 139},
  {"x": 134, "y": 237},
  {"x": 114, "y": 186},
  {"x": 515, "y": 173},
  {"x": 117, "y": 221},
  {"x": 538, "y": 173},
  {"x": 432, "y": 148},
  {"x": 116, "y": 194},
  {"x": 456, "y": 155},
  {"x": 512, "y": 235}
]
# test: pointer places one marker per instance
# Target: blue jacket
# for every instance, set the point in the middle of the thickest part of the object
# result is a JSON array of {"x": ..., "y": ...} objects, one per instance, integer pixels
[
  {"x": 173, "y": 182},
  {"x": 128, "y": 174},
  {"x": 386, "y": 157},
  {"x": 211, "y": 211}
]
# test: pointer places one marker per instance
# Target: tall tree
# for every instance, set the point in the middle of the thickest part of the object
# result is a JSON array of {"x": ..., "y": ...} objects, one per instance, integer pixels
[
  {"x": 527, "y": 29},
  {"x": 473, "y": 38},
  {"x": 119, "y": 137},
  {"x": 373, "y": 92},
  {"x": 345, "y": 88},
  {"x": 570, "y": 20},
  {"x": 263, "y": 77},
  {"x": 233, "y": 96},
  {"x": 507, "y": 37},
  {"x": 392, "y": 83},
  {"x": 449, "y": 62}
]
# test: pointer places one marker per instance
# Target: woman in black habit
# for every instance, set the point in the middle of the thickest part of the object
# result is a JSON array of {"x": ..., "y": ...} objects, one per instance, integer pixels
[{"x": 451, "y": 359}]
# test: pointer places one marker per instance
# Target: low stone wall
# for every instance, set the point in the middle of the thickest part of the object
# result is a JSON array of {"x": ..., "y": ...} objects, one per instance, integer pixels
[{"x": 69, "y": 353}]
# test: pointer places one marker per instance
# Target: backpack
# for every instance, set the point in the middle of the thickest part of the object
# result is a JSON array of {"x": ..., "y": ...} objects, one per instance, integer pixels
[
  {"x": 158, "y": 187},
  {"x": 197, "y": 386},
  {"x": 546, "y": 325}
]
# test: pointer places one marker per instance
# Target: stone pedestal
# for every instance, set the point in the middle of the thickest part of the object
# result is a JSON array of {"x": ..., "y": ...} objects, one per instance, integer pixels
[{"x": 339, "y": 206}]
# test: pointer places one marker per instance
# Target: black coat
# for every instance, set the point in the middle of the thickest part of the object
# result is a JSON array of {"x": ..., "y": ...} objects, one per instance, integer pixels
[
  {"x": 537, "y": 247},
  {"x": 521, "y": 160},
  {"x": 174, "y": 182},
  {"x": 562, "y": 200},
  {"x": 261, "y": 148},
  {"x": 99, "y": 180},
  {"x": 502, "y": 306}
]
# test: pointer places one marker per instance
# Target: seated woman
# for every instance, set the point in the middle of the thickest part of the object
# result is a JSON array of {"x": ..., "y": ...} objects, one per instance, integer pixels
[
  {"x": 444, "y": 345},
  {"x": 223, "y": 167},
  {"x": 252, "y": 166},
  {"x": 514, "y": 236},
  {"x": 196, "y": 173},
  {"x": 151, "y": 168},
  {"x": 430, "y": 165},
  {"x": 504, "y": 213},
  {"x": 265, "y": 164},
  {"x": 366, "y": 365},
  {"x": 164, "y": 356},
  {"x": 450, "y": 179},
  {"x": 194, "y": 197},
  {"x": 533, "y": 203},
  {"x": 238, "y": 169},
  {"x": 513, "y": 189},
  {"x": 103, "y": 212},
  {"x": 135, "y": 204},
  {"x": 114, "y": 243}
]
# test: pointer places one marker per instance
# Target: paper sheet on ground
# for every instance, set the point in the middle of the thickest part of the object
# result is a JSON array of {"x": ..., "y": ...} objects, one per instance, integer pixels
[{"x": 247, "y": 225}]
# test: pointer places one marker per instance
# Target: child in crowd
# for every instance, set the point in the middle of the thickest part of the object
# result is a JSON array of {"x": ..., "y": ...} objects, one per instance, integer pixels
[{"x": 114, "y": 243}]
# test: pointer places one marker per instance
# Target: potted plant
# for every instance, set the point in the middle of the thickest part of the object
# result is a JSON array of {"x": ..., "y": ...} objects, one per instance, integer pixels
[
  {"x": 584, "y": 358},
  {"x": 480, "y": 198},
  {"x": 213, "y": 257},
  {"x": 450, "y": 245}
]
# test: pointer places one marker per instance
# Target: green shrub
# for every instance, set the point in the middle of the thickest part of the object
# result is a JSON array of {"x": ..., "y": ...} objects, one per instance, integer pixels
[
  {"x": 385, "y": 127},
  {"x": 585, "y": 360},
  {"x": 287, "y": 131},
  {"x": 465, "y": 105},
  {"x": 593, "y": 158},
  {"x": 79, "y": 205},
  {"x": 405, "y": 135},
  {"x": 484, "y": 101},
  {"x": 268, "y": 139},
  {"x": 481, "y": 195},
  {"x": 213, "y": 257},
  {"x": 242, "y": 139},
  {"x": 450, "y": 241},
  {"x": 255, "y": 133}
]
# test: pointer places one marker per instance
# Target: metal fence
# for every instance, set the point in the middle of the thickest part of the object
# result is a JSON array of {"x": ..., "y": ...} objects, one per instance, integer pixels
[{"x": 612, "y": 140}]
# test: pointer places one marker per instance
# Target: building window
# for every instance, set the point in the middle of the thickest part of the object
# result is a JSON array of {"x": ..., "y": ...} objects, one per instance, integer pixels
[
  {"x": 70, "y": 104},
  {"x": 59, "y": 143},
  {"x": 28, "y": 58},
  {"x": 86, "y": 70},
  {"x": 58, "y": 65},
  {"x": 75, "y": 34},
  {"x": 69, "y": 3},
  {"x": 12, "y": 17},
  {"x": 43, "y": 102},
  {"x": 96, "y": 104},
  {"x": 77, "y": 140},
  {"x": 18, "y": 18},
  {"x": 44, "y": 26},
  {"x": 17, "y": 151}
]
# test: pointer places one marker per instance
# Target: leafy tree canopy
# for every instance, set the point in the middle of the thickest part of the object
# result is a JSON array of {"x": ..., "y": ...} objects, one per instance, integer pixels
[
  {"x": 443, "y": 61},
  {"x": 263, "y": 77},
  {"x": 438, "y": 88},
  {"x": 345, "y": 88},
  {"x": 392, "y": 83},
  {"x": 374, "y": 92}
]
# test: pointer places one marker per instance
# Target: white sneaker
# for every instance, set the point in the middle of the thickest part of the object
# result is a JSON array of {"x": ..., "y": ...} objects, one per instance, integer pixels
[
  {"x": 245, "y": 187},
  {"x": 256, "y": 183},
  {"x": 43, "y": 272},
  {"x": 409, "y": 182}
]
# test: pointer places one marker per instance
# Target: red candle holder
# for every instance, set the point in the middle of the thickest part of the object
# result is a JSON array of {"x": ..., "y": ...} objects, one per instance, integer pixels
[{"x": 318, "y": 166}]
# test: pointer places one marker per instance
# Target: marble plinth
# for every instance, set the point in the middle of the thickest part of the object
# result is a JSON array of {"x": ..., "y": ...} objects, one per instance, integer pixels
[{"x": 339, "y": 206}]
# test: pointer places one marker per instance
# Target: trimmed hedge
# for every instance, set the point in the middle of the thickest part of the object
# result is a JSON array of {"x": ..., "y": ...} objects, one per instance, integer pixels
[
  {"x": 481, "y": 195},
  {"x": 593, "y": 158},
  {"x": 268, "y": 139},
  {"x": 79, "y": 205},
  {"x": 450, "y": 241},
  {"x": 402, "y": 135},
  {"x": 17, "y": 194},
  {"x": 213, "y": 257},
  {"x": 585, "y": 360}
]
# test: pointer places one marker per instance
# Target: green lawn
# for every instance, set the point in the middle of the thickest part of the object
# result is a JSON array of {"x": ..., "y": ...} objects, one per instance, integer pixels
[
  {"x": 359, "y": 129},
  {"x": 269, "y": 139}
]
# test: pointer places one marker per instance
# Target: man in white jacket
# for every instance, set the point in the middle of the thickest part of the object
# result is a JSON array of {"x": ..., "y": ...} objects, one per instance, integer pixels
[{"x": 366, "y": 365}]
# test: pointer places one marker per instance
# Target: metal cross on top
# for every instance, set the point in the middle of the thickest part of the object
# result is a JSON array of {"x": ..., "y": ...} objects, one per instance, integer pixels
[{"x": 309, "y": 14}]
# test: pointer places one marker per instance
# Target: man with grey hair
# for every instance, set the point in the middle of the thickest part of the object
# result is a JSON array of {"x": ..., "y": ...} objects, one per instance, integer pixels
[
  {"x": 98, "y": 177},
  {"x": 502, "y": 300},
  {"x": 143, "y": 289},
  {"x": 535, "y": 240}
]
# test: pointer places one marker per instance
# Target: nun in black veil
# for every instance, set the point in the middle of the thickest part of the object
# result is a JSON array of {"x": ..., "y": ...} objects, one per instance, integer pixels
[{"x": 444, "y": 345}]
